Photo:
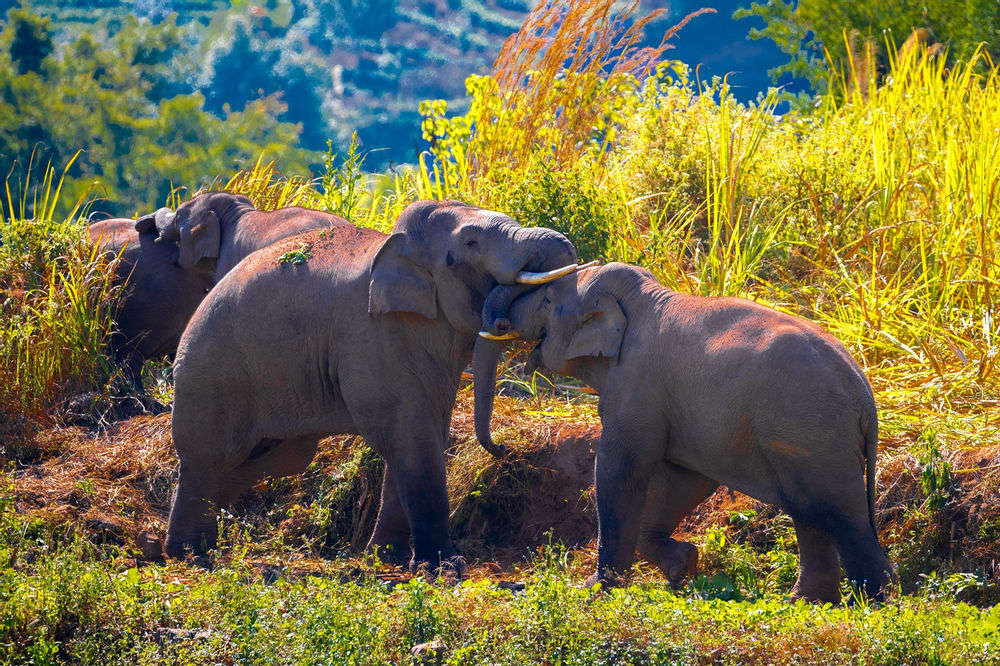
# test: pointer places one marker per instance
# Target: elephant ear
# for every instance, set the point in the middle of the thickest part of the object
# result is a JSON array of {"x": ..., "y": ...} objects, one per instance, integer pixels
[
  {"x": 601, "y": 329},
  {"x": 200, "y": 240},
  {"x": 146, "y": 224},
  {"x": 154, "y": 222},
  {"x": 398, "y": 284}
]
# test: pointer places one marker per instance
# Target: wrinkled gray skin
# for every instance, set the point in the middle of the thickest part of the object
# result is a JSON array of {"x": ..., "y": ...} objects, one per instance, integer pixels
[
  {"x": 159, "y": 299},
  {"x": 701, "y": 391},
  {"x": 171, "y": 268},
  {"x": 370, "y": 336}
]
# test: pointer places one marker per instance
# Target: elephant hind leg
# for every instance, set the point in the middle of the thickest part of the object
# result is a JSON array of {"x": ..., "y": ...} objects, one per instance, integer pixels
[
  {"x": 672, "y": 493},
  {"x": 846, "y": 522},
  {"x": 819, "y": 567},
  {"x": 863, "y": 558}
]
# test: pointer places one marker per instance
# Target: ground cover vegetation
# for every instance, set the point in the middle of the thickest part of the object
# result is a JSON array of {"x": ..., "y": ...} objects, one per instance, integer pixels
[{"x": 873, "y": 213}]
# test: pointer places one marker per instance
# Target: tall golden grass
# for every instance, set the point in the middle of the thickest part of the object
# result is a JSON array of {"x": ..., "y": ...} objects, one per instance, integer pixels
[{"x": 56, "y": 301}]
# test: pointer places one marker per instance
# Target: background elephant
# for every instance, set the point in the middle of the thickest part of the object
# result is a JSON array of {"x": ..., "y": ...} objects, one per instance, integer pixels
[
  {"x": 700, "y": 391},
  {"x": 214, "y": 231},
  {"x": 159, "y": 298},
  {"x": 368, "y": 336},
  {"x": 171, "y": 263}
]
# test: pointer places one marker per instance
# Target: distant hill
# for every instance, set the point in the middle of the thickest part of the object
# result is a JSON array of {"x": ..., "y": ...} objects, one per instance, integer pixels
[{"x": 368, "y": 63}]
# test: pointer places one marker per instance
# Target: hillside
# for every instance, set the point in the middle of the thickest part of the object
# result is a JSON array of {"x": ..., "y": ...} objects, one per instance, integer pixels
[{"x": 371, "y": 81}]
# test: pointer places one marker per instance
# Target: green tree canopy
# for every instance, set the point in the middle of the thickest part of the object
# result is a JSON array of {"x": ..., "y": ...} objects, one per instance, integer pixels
[
  {"x": 808, "y": 29},
  {"x": 117, "y": 101}
]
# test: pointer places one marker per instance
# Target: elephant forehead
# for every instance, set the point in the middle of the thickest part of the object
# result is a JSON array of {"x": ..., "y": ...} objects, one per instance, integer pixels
[{"x": 487, "y": 215}]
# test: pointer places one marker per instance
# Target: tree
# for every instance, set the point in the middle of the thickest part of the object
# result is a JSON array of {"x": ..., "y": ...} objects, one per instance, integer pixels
[
  {"x": 115, "y": 99},
  {"x": 30, "y": 39},
  {"x": 810, "y": 30}
]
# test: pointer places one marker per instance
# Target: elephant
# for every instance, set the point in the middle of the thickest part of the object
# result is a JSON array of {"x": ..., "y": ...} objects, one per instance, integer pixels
[
  {"x": 159, "y": 296},
  {"x": 214, "y": 231},
  {"x": 368, "y": 334},
  {"x": 172, "y": 259},
  {"x": 695, "y": 392}
]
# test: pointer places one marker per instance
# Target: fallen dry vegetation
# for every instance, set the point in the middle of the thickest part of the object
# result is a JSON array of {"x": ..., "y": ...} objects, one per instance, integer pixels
[{"x": 111, "y": 486}]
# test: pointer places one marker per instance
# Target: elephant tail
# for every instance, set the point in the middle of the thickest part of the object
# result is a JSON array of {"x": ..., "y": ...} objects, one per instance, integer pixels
[{"x": 871, "y": 456}]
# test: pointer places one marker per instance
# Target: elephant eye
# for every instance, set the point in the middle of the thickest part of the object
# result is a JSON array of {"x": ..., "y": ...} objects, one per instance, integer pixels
[{"x": 471, "y": 243}]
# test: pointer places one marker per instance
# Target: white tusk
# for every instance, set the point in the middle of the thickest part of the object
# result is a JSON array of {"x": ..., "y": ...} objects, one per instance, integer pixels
[
  {"x": 524, "y": 277},
  {"x": 513, "y": 335}
]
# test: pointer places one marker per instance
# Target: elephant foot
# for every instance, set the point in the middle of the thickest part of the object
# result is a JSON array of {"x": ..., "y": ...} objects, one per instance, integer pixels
[
  {"x": 678, "y": 560},
  {"x": 607, "y": 579},
  {"x": 451, "y": 570},
  {"x": 397, "y": 554},
  {"x": 813, "y": 593}
]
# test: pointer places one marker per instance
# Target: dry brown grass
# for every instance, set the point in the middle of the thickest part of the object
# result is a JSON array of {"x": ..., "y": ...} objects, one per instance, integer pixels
[
  {"x": 113, "y": 486},
  {"x": 554, "y": 75}
]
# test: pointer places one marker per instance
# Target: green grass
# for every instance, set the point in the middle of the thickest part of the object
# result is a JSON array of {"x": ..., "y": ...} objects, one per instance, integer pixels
[
  {"x": 68, "y": 601},
  {"x": 55, "y": 305}
]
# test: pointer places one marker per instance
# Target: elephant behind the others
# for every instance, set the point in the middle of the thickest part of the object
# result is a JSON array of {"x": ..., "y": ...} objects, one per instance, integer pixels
[{"x": 164, "y": 284}]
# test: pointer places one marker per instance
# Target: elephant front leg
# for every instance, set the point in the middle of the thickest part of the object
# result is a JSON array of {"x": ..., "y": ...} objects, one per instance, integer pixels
[
  {"x": 672, "y": 493},
  {"x": 413, "y": 448},
  {"x": 391, "y": 537},
  {"x": 192, "y": 525},
  {"x": 623, "y": 469}
]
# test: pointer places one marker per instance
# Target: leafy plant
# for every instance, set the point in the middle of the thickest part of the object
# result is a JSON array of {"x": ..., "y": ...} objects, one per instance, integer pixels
[
  {"x": 935, "y": 473},
  {"x": 298, "y": 256}
]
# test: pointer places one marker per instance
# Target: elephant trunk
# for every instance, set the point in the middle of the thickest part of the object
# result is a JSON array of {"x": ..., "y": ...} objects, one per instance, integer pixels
[
  {"x": 485, "y": 359},
  {"x": 486, "y": 356}
]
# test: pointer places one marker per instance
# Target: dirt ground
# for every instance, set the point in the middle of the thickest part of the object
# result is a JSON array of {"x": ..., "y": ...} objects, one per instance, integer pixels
[{"x": 112, "y": 486}]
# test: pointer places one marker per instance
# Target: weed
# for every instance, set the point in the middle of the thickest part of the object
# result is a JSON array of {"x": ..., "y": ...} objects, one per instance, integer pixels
[
  {"x": 302, "y": 254},
  {"x": 935, "y": 473}
]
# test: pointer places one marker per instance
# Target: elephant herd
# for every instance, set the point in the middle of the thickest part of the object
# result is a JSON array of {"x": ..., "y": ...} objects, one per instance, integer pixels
[{"x": 368, "y": 333}]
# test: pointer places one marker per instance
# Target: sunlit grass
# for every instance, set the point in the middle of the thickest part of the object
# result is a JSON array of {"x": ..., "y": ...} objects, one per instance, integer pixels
[{"x": 57, "y": 301}]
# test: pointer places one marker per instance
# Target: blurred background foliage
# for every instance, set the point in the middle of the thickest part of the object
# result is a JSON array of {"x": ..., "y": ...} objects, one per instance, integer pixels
[{"x": 169, "y": 93}]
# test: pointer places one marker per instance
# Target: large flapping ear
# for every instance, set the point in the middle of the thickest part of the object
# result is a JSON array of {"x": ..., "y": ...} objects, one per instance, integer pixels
[
  {"x": 398, "y": 284},
  {"x": 200, "y": 239},
  {"x": 155, "y": 222},
  {"x": 602, "y": 325}
]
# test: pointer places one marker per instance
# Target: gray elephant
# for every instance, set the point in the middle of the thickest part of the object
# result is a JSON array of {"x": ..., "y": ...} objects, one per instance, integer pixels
[
  {"x": 159, "y": 297},
  {"x": 171, "y": 260},
  {"x": 369, "y": 334},
  {"x": 216, "y": 230},
  {"x": 701, "y": 391}
]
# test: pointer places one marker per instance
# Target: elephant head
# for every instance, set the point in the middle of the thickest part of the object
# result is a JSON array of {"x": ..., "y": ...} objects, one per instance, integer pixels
[
  {"x": 197, "y": 227},
  {"x": 444, "y": 258},
  {"x": 576, "y": 319}
]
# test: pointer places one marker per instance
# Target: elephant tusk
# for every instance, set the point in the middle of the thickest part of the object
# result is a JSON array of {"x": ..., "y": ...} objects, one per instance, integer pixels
[
  {"x": 513, "y": 335},
  {"x": 524, "y": 277}
]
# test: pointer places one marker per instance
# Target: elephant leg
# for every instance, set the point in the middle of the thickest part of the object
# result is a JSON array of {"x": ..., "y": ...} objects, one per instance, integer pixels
[
  {"x": 833, "y": 502},
  {"x": 424, "y": 496},
  {"x": 625, "y": 461},
  {"x": 863, "y": 558},
  {"x": 819, "y": 567},
  {"x": 391, "y": 536},
  {"x": 413, "y": 448},
  {"x": 192, "y": 523},
  {"x": 673, "y": 492}
]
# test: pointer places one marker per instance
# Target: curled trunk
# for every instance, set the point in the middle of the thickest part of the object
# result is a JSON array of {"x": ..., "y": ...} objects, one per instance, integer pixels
[
  {"x": 484, "y": 370},
  {"x": 486, "y": 357}
]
